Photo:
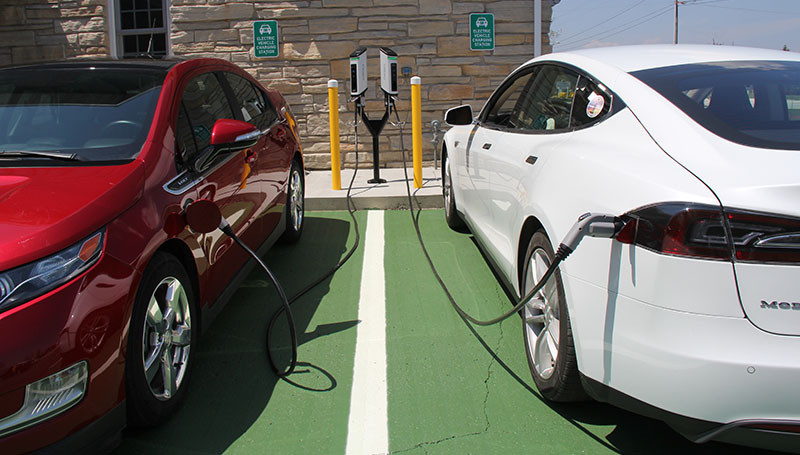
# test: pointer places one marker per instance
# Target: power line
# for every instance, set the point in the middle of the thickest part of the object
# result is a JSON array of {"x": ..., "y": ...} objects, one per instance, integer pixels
[
  {"x": 604, "y": 21},
  {"x": 616, "y": 30}
]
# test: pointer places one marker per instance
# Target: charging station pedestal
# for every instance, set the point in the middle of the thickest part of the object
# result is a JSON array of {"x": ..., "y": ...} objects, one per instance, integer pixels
[
  {"x": 358, "y": 86},
  {"x": 375, "y": 128}
]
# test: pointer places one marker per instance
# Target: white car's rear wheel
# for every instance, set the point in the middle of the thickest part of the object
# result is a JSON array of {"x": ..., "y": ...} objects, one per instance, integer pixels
[{"x": 546, "y": 328}]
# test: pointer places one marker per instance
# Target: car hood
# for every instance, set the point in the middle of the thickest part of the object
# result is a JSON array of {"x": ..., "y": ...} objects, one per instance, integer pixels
[{"x": 46, "y": 209}]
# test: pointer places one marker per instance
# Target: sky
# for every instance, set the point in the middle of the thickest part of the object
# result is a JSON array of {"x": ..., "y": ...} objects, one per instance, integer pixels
[{"x": 758, "y": 23}]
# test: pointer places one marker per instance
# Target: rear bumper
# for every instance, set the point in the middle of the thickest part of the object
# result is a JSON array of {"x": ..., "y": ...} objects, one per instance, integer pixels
[
  {"x": 746, "y": 432},
  {"x": 709, "y": 377}
]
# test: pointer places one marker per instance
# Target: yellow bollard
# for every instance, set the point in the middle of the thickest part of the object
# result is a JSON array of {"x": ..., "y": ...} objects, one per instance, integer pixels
[
  {"x": 333, "y": 115},
  {"x": 416, "y": 129}
]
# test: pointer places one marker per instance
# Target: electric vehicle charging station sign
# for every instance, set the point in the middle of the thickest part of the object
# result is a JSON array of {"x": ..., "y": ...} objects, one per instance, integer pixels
[
  {"x": 265, "y": 39},
  {"x": 481, "y": 32}
]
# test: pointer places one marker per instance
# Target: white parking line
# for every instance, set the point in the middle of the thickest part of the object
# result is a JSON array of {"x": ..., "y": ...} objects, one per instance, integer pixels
[{"x": 368, "y": 428}]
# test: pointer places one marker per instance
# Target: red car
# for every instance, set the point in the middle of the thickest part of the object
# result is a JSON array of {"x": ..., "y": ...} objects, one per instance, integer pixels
[{"x": 104, "y": 289}]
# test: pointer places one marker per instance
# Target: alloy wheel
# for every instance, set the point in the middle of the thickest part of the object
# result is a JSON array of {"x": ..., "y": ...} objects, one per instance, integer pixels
[
  {"x": 166, "y": 339},
  {"x": 541, "y": 313},
  {"x": 296, "y": 200},
  {"x": 446, "y": 185}
]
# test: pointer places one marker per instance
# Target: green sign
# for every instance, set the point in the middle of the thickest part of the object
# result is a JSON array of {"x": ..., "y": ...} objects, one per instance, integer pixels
[
  {"x": 265, "y": 39},
  {"x": 481, "y": 32}
]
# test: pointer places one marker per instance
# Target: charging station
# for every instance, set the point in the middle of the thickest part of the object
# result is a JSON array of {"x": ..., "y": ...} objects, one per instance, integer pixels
[
  {"x": 358, "y": 87},
  {"x": 388, "y": 71},
  {"x": 358, "y": 72}
]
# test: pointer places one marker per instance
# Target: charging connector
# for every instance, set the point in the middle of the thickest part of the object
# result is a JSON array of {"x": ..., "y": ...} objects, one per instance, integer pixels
[{"x": 591, "y": 224}]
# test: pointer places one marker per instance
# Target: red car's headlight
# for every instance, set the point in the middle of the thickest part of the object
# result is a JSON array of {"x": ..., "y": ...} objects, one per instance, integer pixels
[
  {"x": 703, "y": 231},
  {"x": 29, "y": 281}
]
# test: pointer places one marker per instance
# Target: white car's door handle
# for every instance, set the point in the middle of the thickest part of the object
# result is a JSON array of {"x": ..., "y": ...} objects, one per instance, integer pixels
[
  {"x": 531, "y": 159},
  {"x": 487, "y": 146}
]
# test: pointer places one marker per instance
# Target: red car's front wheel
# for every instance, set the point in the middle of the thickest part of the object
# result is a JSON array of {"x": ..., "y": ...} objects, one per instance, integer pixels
[{"x": 160, "y": 341}]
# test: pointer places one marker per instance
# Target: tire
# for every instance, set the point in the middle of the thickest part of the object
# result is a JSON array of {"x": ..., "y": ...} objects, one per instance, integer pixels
[
  {"x": 450, "y": 213},
  {"x": 161, "y": 342},
  {"x": 295, "y": 204},
  {"x": 546, "y": 327}
]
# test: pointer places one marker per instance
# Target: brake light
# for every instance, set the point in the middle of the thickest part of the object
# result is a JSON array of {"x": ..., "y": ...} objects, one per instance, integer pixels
[
  {"x": 698, "y": 230},
  {"x": 679, "y": 229},
  {"x": 759, "y": 237}
]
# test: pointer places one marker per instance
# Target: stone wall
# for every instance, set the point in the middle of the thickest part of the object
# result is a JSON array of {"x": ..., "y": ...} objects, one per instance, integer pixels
[
  {"x": 316, "y": 37},
  {"x": 46, "y": 30}
]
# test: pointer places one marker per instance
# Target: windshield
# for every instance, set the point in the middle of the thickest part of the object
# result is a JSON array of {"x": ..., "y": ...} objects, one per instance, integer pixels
[
  {"x": 91, "y": 114},
  {"x": 755, "y": 103}
]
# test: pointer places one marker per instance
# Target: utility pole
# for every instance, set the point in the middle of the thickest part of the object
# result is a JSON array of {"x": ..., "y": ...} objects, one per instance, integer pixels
[
  {"x": 537, "y": 28},
  {"x": 675, "y": 36}
]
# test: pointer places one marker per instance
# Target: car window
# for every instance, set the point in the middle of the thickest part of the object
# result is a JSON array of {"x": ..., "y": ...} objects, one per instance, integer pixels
[
  {"x": 755, "y": 103},
  {"x": 503, "y": 104},
  {"x": 592, "y": 102},
  {"x": 540, "y": 100},
  {"x": 255, "y": 108},
  {"x": 184, "y": 139},
  {"x": 548, "y": 101},
  {"x": 100, "y": 115},
  {"x": 205, "y": 102}
]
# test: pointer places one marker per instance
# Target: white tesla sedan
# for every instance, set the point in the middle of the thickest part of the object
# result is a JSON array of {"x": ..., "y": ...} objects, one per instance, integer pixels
[{"x": 691, "y": 314}]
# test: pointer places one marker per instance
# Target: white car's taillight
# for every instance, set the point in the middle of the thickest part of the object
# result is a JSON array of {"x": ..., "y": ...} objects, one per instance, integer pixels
[{"x": 705, "y": 231}]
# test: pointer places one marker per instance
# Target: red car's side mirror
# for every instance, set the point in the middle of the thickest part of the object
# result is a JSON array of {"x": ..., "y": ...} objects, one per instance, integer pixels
[
  {"x": 231, "y": 133},
  {"x": 227, "y": 136}
]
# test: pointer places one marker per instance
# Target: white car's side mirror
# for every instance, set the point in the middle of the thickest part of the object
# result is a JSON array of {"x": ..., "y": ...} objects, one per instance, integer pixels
[{"x": 461, "y": 115}]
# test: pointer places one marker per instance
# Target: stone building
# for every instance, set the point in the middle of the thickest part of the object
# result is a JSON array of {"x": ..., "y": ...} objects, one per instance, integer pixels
[{"x": 316, "y": 38}]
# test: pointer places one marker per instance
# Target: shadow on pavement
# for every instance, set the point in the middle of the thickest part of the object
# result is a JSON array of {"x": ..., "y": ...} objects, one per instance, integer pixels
[{"x": 232, "y": 380}]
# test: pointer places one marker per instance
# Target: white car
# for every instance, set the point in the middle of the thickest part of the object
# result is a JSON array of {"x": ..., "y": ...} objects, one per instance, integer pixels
[{"x": 691, "y": 314}]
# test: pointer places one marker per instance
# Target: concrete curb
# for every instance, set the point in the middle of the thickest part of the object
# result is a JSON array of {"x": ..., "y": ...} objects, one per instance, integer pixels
[{"x": 391, "y": 195}]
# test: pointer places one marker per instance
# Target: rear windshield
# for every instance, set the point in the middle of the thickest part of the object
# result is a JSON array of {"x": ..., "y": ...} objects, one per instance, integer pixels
[
  {"x": 89, "y": 114},
  {"x": 754, "y": 103}
]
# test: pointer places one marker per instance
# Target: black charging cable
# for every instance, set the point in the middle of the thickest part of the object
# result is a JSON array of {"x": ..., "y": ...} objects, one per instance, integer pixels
[
  {"x": 226, "y": 228},
  {"x": 287, "y": 303},
  {"x": 594, "y": 225}
]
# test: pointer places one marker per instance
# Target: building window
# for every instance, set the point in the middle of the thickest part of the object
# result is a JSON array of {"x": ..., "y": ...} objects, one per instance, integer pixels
[{"x": 141, "y": 28}]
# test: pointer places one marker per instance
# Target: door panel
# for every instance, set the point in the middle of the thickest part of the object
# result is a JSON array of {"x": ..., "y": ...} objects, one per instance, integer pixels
[
  {"x": 229, "y": 181},
  {"x": 267, "y": 158},
  {"x": 523, "y": 127}
]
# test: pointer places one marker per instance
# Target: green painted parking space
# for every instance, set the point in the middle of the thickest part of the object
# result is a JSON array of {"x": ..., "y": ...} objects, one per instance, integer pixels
[
  {"x": 455, "y": 389},
  {"x": 452, "y": 388}
]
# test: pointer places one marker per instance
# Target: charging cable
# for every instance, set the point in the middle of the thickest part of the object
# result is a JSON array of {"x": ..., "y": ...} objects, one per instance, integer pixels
[
  {"x": 591, "y": 224},
  {"x": 286, "y": 303},
  {"x": 226, "y": 228}
]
